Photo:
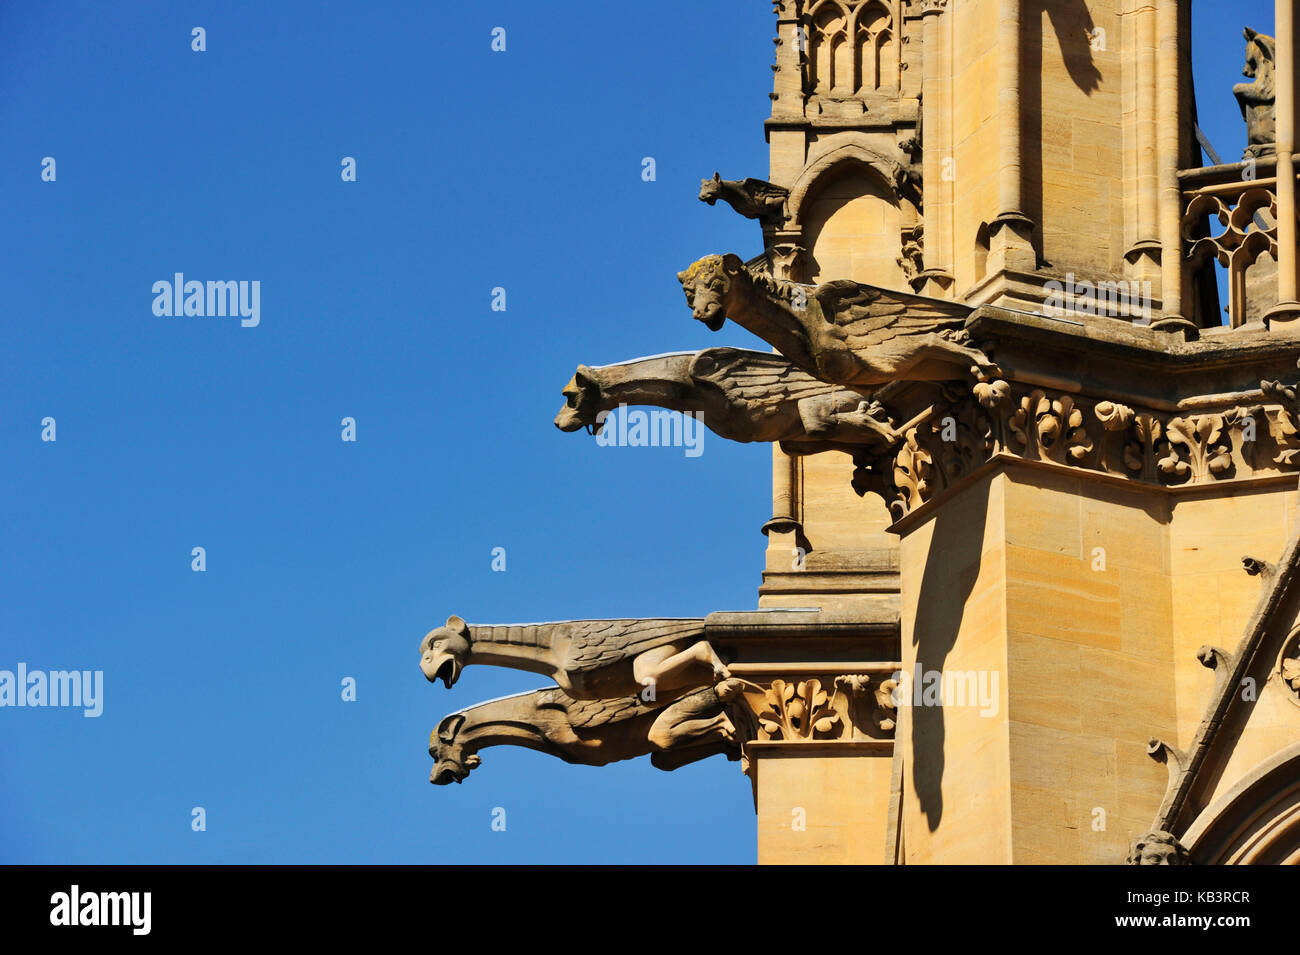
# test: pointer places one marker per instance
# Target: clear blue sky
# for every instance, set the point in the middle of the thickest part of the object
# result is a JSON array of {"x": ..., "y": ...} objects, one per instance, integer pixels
[{"x": 327, "y": 559}]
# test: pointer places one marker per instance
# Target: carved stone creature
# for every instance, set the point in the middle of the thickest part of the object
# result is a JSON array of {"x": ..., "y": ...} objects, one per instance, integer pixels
[
  {"x": 1257, "y": 98},
  {"x": 752, "y": 198},
  {"x": 588, "y": 659},
  {"x": 840, "y": 332},
  {"x": 741, "y": 395},
  {"x": 1157, "y": 848},
  {"x": 591, "y": 732}
]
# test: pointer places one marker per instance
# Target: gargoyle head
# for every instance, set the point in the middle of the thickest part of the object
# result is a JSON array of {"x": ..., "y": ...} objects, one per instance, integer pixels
[
  {"x": 707, "y": 284},
  {"x": 451, "y": 764},
  {"x": 1260, "y": 50},
  {"x": 711, "y": 189},
  {"x": 581, "y": 402},
  {"x": 445, "y": 651}
]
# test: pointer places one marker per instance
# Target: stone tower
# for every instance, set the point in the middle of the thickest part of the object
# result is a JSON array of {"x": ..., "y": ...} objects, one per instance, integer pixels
[{"x": 1018, "y": 458}]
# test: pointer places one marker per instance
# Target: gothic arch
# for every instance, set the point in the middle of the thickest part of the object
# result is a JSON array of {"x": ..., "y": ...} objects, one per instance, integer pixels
[
  {"x": 888, "y": 171},
  {"x": 1257, "y": 822},
  {"x": 830, "y": 48},
  {"x": 874, "y": 60}
]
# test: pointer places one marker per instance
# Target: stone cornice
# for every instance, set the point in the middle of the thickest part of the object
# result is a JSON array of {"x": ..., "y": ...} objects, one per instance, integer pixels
[{"x": 879, "y": 619}]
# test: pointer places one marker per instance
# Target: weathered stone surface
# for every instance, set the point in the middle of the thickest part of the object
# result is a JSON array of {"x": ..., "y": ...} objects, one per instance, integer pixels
[
  {"x": 1258, "y": 97},
  {"x": 594, "y": 732},
  {"x": 740, "y": 395},
  {"x": 841, "y": 332},
  {"x": 588, "y": 659},
  {"x": 751, "y": 198}
]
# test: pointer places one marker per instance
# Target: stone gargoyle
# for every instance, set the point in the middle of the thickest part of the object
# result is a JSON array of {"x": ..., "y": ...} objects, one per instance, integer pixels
[
  {"x": 752, "y": 198},
  {"x": 740, "y": 395},
  {"x": 840, "y": 332},
  {"x": 591, "y": 732},
  {"x": 588, "y": 659},
  {"x": 1257, "y": 98}
]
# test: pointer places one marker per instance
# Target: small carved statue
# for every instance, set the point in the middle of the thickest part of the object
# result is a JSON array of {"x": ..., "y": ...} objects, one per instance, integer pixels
[
  {"x": 1157, "y": 848},
  {"x": 1257, "y": 98},
  {"x": 752, "y": 198},
  {"x": 841, "y": 332}
]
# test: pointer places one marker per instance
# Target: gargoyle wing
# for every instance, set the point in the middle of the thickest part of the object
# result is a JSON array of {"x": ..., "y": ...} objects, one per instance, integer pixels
[
  {"x": 599, "y": 643},
  {"x": 590, "y": 714},
  {"x": 760, "y": 381},
  {"x": 763, "y": 191},
  {"x": 866, "y": 316}
]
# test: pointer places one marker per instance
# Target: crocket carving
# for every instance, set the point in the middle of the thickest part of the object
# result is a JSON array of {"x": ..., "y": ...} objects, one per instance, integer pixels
[
  {"x": 588, "y": 659},
  {"x": 741, "y": 395},
  {"x": 841, "y": 332}
]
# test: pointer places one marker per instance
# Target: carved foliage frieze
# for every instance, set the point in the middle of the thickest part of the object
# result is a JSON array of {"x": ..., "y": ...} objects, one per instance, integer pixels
[
  {"x": 831, "y": 707},
  {"x": 963, "y": 430}
]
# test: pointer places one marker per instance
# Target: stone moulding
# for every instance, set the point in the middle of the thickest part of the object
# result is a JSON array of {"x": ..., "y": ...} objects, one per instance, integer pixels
[{"x": 1226, "y": 704}]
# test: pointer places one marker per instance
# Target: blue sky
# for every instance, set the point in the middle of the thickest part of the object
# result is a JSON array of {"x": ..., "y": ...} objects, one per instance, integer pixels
[{"x": 327, "y": 559}]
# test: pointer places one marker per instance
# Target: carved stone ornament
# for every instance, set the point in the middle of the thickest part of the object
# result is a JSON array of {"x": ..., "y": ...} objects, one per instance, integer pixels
[
  {"x": 1257, "y": 98},
  {"x": 1157, "y": 848},
  {"x": 752, "y": 198},
  {"x": 840, "y": 707},
  {"x": 962, "y": 430},
  {"x": 595, "y": 732},
  {"x": 1288, "y": 666},
  {"x": 800, "y": 710},
  {"x": 740, "y": 395},
  {"x": 588, "y": 659},
  {"x": 841, "y": 332}
]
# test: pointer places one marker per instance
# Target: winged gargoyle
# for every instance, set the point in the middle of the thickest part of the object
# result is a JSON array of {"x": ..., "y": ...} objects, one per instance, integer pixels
[
  {"x": 841, "y": 332},
  {"x": 588, "y": 659},
  {"x": 752, "y": 198},
  {"x": 592, "y": 732},
  {"x": 741, "y": 395}
]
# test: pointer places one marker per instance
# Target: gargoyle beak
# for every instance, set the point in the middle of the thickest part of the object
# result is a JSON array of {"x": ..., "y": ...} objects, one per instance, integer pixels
[{"x": 440, "y": 666}]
